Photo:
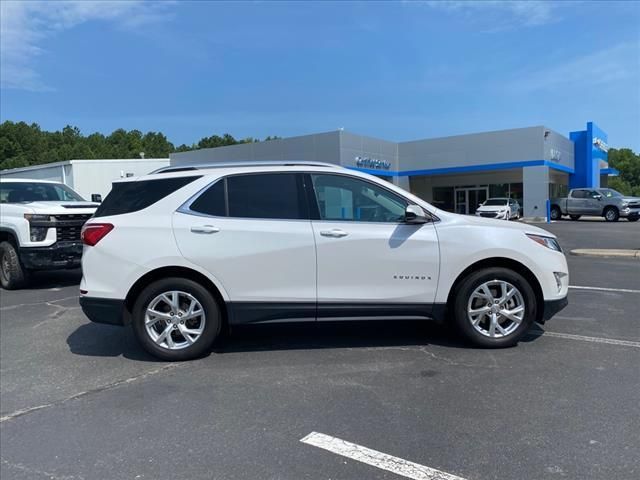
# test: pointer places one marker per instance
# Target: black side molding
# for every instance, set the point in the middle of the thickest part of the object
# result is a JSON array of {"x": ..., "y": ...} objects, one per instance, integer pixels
[
  {"x": 104, "y": 310},
  {"x": 265, "y": 312}
]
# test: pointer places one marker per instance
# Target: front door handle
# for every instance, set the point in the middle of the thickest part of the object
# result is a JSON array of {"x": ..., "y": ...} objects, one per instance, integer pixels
[
  {"x": 334, "y": 232},
  {"x": 205, "y": 229}
]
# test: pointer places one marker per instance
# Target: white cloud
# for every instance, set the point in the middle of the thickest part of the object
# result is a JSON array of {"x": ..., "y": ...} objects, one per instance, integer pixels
[
  {"x": 604, "y": 67},
  {"x": 502, "y": 15},
  {"x": 26, "y": 25}
]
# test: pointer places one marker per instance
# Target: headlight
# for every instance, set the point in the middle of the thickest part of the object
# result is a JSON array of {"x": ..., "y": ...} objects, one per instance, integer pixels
[
  {"x": 38, "y": 234},
  {"x": 548, "y": 242},
  {"x": 38, "y": 218},
  {"x": 625, "y": 204}
]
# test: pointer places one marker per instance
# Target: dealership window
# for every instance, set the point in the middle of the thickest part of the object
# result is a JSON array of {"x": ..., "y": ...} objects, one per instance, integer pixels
[
  {"x": 443, "y": 198},
  {"x": 558, "y": 190}
]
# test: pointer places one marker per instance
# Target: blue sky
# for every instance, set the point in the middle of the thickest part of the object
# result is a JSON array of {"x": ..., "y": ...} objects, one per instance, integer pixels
[{"x": 399, "y": 71}]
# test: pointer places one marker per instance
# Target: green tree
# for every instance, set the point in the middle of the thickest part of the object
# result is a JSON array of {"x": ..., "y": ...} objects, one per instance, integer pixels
[
  {"x": 23, "y": 144},
  {"x": 628, "y": 163}
]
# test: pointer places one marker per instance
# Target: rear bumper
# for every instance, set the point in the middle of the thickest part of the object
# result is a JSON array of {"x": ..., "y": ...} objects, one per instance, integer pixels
[
  {"x": 59, "y": 255},
  {"x": 104, "y": 310},
  {"x": 551, "y": 307}
]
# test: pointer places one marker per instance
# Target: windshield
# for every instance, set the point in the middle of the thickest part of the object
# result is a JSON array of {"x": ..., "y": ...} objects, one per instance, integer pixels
[
  {"x": 21, "y": 192},
  {"x": 493, "y": 202},
  {"x": 610, "y": 192}
]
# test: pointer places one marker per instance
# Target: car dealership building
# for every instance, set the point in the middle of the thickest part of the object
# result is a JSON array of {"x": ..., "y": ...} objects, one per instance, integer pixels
[{"x": 453, "y": 173}]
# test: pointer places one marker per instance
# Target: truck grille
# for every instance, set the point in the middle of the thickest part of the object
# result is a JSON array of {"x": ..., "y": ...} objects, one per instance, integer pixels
[{"x": 68, "y": 227}]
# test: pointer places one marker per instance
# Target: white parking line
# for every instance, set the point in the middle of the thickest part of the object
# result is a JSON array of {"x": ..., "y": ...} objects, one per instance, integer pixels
[
  {"x": 377, "y": 459},
  {"x": 610, "y": 341},
  {"x": 604, "y": 289}
]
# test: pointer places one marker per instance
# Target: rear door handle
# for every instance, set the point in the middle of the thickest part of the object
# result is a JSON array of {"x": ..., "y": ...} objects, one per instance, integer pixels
[
  {"x": 334, "y": 232},
  {"x": 205, "y": 229}
]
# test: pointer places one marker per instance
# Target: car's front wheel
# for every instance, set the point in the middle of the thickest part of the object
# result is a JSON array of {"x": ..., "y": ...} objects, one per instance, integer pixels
[
  {"x": 611, "y": 214},
  {"x": 494, "y": 307},
  {"x": 12, "y": 274},
  {"x": 176, "y": 319}
]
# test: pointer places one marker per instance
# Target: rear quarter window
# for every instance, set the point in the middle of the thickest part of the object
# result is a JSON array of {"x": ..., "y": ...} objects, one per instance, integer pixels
[{"x": 128, "y": 197}]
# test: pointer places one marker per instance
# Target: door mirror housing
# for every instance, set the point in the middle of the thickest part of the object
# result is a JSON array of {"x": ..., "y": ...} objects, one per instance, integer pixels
[
  {"x": 597, "y": 196},
  {"x": 414, "y": 214},
  {"x": 96, "y": 198}
]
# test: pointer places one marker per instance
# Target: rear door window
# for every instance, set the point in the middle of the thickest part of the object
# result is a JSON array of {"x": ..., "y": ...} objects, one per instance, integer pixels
[
  {"x": 273, "y": 195},
  {"x": 260, "y": 195}
]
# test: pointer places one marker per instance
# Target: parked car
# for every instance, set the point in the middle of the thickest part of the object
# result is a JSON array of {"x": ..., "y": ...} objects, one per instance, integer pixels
[
  {"x": 501, "y": 208},
  {"x": 180, "y": 255},
  {"x": 40, "y": 225},
  {"x": 600, "y": 202}
]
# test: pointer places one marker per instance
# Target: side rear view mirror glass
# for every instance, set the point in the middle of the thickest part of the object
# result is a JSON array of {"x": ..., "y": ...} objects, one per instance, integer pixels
[{"x": 96, "y": 198}]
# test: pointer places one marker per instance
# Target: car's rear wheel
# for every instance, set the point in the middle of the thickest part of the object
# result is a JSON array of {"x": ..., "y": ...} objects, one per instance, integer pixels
[
  {"x": 611, "y": 214},
  {"x": 12, "y": 273},
  {"x": 176, "y": 319},
  {"x": 556, "y": 213},
  {"x": 575, "y": 217},
  {"x": 494, "y": 307}
]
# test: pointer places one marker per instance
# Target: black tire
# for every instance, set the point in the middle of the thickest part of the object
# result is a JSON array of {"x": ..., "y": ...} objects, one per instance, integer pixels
[
  {"x": 633, "y": 219},
  {"x": 12, "y": 274},
  {"x": 575, "y": 217},
  {"x": 466, "y": 288},
  {"x": 556, "y": 213},
  {"x": 213, "y": 319},
  {"x": 611, "y": 214}
]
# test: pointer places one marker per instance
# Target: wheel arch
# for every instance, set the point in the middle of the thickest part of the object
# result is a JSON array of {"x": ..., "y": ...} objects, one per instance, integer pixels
[
  {"x": 504, "y": 263},
  {"x": 174, "y": 271},
  {"x": 8, "y": 235}
]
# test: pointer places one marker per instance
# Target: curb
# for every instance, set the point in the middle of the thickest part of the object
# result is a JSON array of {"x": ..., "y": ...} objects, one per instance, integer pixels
[{"x": 606, "y": 252}]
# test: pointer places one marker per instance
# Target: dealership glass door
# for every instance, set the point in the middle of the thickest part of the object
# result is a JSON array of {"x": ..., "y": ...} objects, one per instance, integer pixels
[{"x": 468, "y": 199}]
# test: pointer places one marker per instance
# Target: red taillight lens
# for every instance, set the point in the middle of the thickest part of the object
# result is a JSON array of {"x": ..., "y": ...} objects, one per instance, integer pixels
[{"x": 92, "y": 233}]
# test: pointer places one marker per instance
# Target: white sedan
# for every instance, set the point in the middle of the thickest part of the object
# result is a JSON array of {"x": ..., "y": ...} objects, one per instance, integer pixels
[{"x": 500, "y": 208}]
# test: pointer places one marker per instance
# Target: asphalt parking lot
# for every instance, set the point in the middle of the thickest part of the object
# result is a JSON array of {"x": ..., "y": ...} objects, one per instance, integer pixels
[{"x": 82, "y": 401}]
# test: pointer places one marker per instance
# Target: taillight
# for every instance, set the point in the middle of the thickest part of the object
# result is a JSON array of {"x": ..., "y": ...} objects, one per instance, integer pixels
[{"x": 92, "y": 233}]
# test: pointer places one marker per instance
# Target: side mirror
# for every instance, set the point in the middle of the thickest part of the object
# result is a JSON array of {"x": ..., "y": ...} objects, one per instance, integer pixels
[
  {"x": 414, "y": 214},
  {"x": 96, "y": 198},
  {"x": 597, "y": 196}
]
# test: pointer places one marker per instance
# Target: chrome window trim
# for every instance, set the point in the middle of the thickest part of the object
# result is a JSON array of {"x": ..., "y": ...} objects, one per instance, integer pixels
[{"x": 186, "y": 206}]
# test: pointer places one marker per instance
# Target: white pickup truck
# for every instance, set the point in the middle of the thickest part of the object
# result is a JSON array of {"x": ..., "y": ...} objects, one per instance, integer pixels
[{"x": 40, "y": 223}]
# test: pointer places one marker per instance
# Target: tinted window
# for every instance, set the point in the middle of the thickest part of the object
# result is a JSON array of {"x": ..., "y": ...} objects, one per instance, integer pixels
[
  {"x": 17, "y": 192},
  {"x": 212, "y": 201},
  {"x": 127, "y": 197},
  {"x": 579, "y": 194},
  {"x": 270, "y": 195},
  {"x": 347, "y": 198}
]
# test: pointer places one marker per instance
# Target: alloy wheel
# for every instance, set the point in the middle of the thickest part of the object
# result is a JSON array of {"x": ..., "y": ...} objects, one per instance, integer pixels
[
  {"x": 174, "y": 320},
  {"x": 496, "y": 309}
]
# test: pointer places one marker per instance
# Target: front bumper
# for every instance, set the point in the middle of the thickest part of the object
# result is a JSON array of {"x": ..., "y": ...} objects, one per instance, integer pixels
[
  {"x": 104, "y": 310},
  {"x": 551, "y": 307},
  {"x": 630, "y": 212},
  {"x": 57, "y": 256}
]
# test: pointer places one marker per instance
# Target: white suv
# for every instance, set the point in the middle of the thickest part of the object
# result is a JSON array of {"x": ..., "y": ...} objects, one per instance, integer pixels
[{"x": 182, "y": 253}]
